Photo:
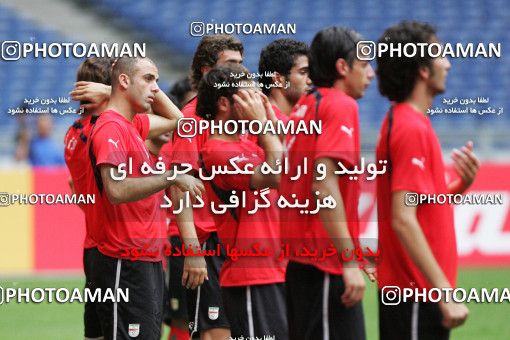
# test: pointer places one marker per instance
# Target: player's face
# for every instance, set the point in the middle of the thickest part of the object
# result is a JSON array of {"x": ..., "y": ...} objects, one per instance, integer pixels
[
  {"x": 298, "y": 79},
  {"x": 358, "y": 78},
  {"x": 229, "y": 56},
  {"x": 143, "y": 87},
  {"x": 438, "y": 73}
]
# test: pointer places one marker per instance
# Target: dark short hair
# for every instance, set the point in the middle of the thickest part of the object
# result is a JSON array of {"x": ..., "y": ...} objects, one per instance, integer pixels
[
  {"x": 397, "y": 75},
  {"x": 179, "y": 90},
  {"x": 279, "y": 56},
  {"x": 327, "y": 47},
  {"x": 97, "y": 70},
  {"x": 126, "y": 65},
  {"x": 208, "y": 93},
  {"x": 208, "y": 51}
]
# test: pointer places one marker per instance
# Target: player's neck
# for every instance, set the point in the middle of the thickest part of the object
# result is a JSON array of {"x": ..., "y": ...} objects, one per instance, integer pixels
[
  {"x": 225, "y": 137},
  {"x": 420, "y": 99},
  {"x": 154, "y": 148},
  {"x": 339, "y": 84},
  {"x": 122, "y": 107},
  {"x": 278, "y": 99}
]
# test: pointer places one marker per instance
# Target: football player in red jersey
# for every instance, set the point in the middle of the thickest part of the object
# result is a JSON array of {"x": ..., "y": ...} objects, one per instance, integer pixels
[
  {"x": 130, "y": 204},
  {"x": 283, "y": 67},
  {"x": 252, "y": 287},
  {"x": 197, "y": 226},
  {"x": 417, "y": 241},
  {"x": 331, "y": 290}
]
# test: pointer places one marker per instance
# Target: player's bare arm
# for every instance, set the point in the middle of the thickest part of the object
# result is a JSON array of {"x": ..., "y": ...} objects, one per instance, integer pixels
[
  {"x": 166, "y": 114},
  {"x": 195, "y": 267},
  {"x": 406, "y": 226},
  {"x": 335, "y": 223},
  {"x": 134, "y": 189},
  {"x": 94, "y": 93}
]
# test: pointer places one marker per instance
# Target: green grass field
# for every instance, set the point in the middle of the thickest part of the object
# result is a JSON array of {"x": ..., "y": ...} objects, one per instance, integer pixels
[{"x": 64, "y": 321}]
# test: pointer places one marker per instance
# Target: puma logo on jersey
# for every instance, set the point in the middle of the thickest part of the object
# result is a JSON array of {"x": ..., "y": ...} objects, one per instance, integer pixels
[
  {"x": 347, "y": 130},
  {"x": 239, "y": 158},
  {"x": 113, "y": 142},
  {"x": 300, "y": 111},
  {"x": 420, "y": 163}
]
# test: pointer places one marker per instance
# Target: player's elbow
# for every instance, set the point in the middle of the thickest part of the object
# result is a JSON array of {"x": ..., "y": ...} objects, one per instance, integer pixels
[
  {"x": 399, "y": 223},
  {"x": 322, "y": 187},
  {"x": 114, "y": 194},
  {"x": 259, "y": 181},
  {"x": 273, "y": 181}
]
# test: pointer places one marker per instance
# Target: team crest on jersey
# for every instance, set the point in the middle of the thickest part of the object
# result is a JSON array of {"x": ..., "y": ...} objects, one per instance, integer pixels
[
  {"x": 134, "y": 329},
  {"x": 71, "y": 145},
  {"x": 214, "y": 312},
  {"x": 174, "y": 303},
  {"x": 300, "y": 111}
]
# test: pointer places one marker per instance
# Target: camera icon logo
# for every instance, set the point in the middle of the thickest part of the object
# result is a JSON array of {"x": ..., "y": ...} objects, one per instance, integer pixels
[
  {"x": 197, "y": 28},
  {"x": 365, "y": 50},
  {"x": 187, "y": 128},
  {"x": 390, "y": 295},
  {"x": 4, "y": 199},
  {"x": 11, "y": 50},
  {"x": 411, "y": 199}
]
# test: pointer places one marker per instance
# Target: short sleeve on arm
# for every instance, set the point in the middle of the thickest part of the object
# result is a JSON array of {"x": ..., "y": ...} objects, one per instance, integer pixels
[
  {"x": 338, "y": 137},
  {"x": 142, "y": 124},
  {"x": 411, "y": 168},
  {"x": 109, "y": 145}
]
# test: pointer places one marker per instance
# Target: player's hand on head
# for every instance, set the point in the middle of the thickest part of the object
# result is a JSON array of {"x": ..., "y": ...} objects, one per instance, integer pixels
[
  {"x": 94, "y": 93},
  {"x": 466, "y": 163},
  {"x": 191, "y": 184},
  {"x": 249, "y": 104},
  {"x": 354, "y": 286},
  {"x": 194, "y": 272},
  {"x": 269, "y": 108},
  {"x": 454, "y": 314}
]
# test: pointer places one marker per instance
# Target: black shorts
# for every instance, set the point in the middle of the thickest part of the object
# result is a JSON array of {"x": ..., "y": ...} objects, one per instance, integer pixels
[
  {"x": 141, "y": 317},
  {"x": 409, "y": 321},
  {"x": 314, "y": 308},
  {"x": 205, "y": 305},
  {"x": 90, "y": 319},
  {"x": 257, "y": 311},
  {"x": 177, "y": 303}
]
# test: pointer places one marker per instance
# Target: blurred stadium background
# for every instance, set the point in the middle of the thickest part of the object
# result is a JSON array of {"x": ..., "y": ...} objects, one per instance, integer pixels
[{"x": 39, "y": 244}]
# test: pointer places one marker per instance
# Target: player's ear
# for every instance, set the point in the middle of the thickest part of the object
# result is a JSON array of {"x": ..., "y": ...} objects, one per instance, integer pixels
[
  {"x": 278, "y": 78},
  {"x": 124, "y": 80},
  {"x": 204, "y": 69},
  {"x": 424, "y": 72},
  {"x": 342, "y": 67},
  {"x": 223, "y": 104}
]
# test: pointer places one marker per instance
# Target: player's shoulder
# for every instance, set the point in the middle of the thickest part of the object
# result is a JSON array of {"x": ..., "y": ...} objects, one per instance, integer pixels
[
  {"x": 220, "y": 150},
  {"x": 110, "y": 118},
  {"x": 189, "y": 110},
  {"x": 110, "y": 124},
  {"x": 336, "y": 99},
  {"x": 407, "y": 119}
]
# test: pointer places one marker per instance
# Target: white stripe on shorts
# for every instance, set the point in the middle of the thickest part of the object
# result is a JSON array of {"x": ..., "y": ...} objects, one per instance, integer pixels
[
  {"x": 325, "y": 307},
  {"x": 249, "y": 309},
  {"x": 197, "y": 305},
  {"x": 414, "y": 321},
  {"x": 117, "y": 279}
]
